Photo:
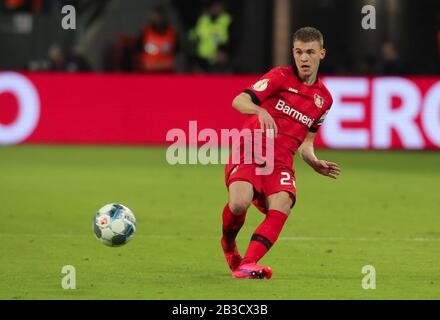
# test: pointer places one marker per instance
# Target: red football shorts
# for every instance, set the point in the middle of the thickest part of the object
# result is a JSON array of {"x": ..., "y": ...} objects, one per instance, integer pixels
[{"x": 281, "y": 179}]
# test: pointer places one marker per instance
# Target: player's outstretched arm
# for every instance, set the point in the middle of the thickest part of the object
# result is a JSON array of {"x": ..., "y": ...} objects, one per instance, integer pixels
[
  {"x": 243, "y": 103},
  {"x": 307, "y": 153}
]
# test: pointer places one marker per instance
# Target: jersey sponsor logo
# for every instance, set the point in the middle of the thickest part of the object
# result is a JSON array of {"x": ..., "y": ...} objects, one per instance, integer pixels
[
  {"x": 261, "y": 85},
  {"x": 319, "y": 101},
  {"x": 295, "y": 114},
  {"x": 292, "y": 90}
]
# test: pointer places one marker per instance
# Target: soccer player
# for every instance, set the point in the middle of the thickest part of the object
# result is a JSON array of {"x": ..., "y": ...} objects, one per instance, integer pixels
[{"x": 291, "y": 103}]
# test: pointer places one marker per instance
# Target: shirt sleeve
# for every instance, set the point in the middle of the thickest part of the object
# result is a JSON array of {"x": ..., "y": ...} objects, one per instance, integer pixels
[
  {"x": 318, "y": 123},
  {"x": 266, "y": 86}
]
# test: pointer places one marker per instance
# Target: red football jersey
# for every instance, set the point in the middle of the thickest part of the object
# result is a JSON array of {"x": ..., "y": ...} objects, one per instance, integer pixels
[{"x": 296, "y": 108}]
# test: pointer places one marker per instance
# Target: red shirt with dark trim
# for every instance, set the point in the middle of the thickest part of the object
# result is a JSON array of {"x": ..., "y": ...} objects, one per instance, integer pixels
[{"x": 296, "y": 108}]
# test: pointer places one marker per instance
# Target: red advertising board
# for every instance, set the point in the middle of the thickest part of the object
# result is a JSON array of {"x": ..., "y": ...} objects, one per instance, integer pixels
[{"x": 368, "y": 112}]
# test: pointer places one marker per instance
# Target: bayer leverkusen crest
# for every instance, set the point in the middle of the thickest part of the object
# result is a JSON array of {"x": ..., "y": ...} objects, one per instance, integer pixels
[{"x": 319, "y": 101}]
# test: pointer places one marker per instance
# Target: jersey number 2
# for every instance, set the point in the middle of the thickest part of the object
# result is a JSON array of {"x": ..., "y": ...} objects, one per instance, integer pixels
[{"x": 285, "y": 180}]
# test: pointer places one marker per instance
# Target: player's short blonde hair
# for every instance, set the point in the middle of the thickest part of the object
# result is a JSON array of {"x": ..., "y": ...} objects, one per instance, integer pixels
[{"x": 308, "y": 34}]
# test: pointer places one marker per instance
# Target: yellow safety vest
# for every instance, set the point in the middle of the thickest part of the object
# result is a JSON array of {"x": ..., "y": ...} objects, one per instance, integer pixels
[{"x": 211, "y": 34}]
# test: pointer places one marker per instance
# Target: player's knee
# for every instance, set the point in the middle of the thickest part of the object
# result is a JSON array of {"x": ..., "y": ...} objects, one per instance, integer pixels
[
  {"x": 281, "y": 202},
  {"x": 238, "y": 206}
]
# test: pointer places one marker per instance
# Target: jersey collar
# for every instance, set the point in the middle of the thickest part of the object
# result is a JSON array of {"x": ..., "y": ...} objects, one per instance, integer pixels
[{"x": 295, "y": 72}]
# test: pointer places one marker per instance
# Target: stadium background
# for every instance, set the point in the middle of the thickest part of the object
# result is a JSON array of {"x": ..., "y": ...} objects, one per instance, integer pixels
[{"x": 91, "y": 124}]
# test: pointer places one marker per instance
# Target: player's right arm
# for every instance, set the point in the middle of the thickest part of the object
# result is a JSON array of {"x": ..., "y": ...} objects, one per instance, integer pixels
[
  {"x": 249, "y": 101},
  {"x": 243, "y": 103}
]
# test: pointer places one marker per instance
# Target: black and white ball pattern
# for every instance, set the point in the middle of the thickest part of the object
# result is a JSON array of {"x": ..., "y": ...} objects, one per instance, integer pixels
[{"x": 114, "y": 224}]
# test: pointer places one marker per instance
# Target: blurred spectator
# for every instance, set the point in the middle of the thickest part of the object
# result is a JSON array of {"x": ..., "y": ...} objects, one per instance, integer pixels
[
  {"x": 157, "y": 44},
  {"x": 390, "y": 62},
  {"x": 212, "y": 39},
  {"x": 59, "y": 60}
]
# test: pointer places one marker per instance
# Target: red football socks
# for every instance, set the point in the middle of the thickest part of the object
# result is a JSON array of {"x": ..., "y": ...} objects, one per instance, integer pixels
[
  {"x": 231, "y": 225},
  {"x": 265, "y": 236}
]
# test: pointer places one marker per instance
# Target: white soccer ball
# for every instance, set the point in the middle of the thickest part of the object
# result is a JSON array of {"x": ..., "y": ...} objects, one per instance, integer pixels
[{"x": 114, "y": 225}]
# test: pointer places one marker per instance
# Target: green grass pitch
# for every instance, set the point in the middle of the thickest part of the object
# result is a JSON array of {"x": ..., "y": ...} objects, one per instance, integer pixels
[{"x": 384, "y": 211}]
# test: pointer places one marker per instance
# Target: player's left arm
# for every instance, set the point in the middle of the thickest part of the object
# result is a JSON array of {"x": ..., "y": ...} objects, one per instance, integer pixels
[{"x": 307, "y": 153}]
